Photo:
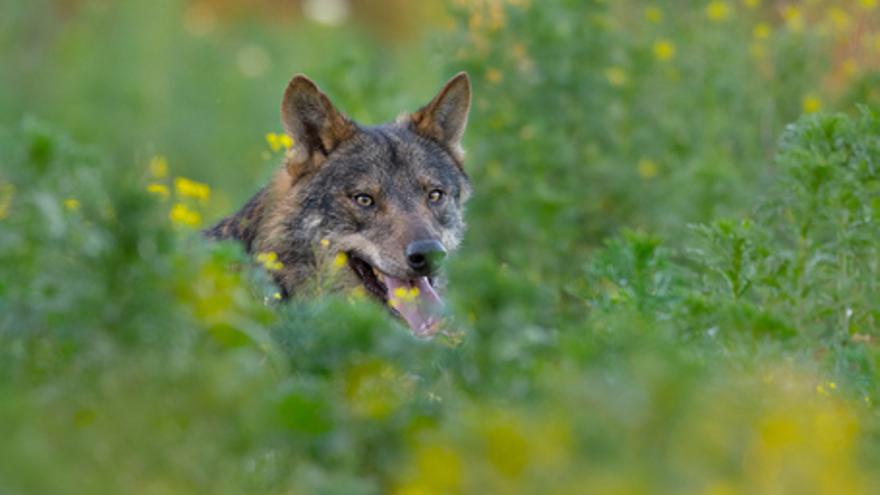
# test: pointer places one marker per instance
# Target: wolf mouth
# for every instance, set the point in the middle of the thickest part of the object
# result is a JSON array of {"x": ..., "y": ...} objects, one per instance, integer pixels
[{"x": 415, "y": 301}]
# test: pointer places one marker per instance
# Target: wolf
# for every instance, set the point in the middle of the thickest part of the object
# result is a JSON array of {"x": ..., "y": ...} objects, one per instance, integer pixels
[{"x": 387, "y": 200}]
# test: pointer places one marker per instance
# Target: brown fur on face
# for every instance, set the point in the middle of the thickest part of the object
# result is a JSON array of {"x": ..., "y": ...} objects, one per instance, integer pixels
[{"x": 312, "y": 208}]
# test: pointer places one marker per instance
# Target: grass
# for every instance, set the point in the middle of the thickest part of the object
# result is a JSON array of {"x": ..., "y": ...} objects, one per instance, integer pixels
[{"x": 669, "y": 284}]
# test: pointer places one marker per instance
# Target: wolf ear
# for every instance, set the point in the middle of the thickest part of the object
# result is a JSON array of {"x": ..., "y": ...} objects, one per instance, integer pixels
[
  {"x": 309, "y": 117},
  {"x": 445, "y": 117}
]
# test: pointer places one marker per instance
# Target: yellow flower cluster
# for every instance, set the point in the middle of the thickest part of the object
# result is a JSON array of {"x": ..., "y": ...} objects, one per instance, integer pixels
[
  {"x": 406, "y": 295},
  {"x": 439, "y": 468},
  {"x": 761, "y": 31},
  {"x": 279, "y": 141},
  {"x": 182, "y": 215},
  {"x": 269, "y": 260},
  {"x": 836, "y": 20},
  {"x": 158, "y": 170},
  {"x": 718, "y": 11},
  {"x": 192, "y": 189},
  {"x": 788, "y": 439},
  {"x": 793, "y": 17},
  {"x": 839, "y": 19},
  {"x": 72, "y": 204},
  {"x": 811, "y": 103},
  {"x": 821, "y": 390},
  {"x": 664, "y": 50},
  {"x": 511, "y": 445},
  {"x": 648, "y": 168},
  {"x": 340, "y": 260},
  {"x": 654, "y": 14},
  {"x": 158, "y": 189}
]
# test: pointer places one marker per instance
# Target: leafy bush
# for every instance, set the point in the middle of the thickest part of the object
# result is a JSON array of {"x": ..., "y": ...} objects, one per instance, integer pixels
[
  {"x": 593, "y": 115},
  {"x": 133, "y": 356}
]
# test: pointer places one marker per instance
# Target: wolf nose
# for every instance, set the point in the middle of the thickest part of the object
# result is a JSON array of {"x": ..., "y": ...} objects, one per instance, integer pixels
[{"x": 425, "y": 256}]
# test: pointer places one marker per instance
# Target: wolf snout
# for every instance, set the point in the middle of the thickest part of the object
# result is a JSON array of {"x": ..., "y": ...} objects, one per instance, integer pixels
[{"x": 425, "y": 256}]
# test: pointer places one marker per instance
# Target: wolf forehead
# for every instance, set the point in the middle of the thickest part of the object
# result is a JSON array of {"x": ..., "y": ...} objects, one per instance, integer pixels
[{"x": 390, "y": 159}]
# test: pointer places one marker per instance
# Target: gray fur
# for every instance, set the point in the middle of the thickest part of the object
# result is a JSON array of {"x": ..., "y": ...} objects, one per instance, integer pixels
[{"x": 311, "y": 201}]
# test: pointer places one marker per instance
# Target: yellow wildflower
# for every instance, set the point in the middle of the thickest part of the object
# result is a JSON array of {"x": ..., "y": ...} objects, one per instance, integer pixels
[
  {"x": 71, "y": 204},
  {"x": 269, "y": 260},
  {"x": 325, "y": 243},
  {"x": 718, "y": 11},
  {"x": 160, "y": 190},
  {"x": 761, "y": 31},
  {"x": 616, "y": 76},
  {"x": 840, "y": 19},
  {"x": 752, "y": 3},
  {"x": 664, "y": 50},
  {"x": 437, "y": 469},
  {"x": 276, "y": 296},
  {"x": 794, "y": 19},
  {"x": 340, "y": 260},
  {"x": 811, "y": 103},
  {"x": 654, "y": 14},
  {"x": 279, "y": 141},
  {"x": 181, "y": 215},
  {"x": 494, "y": 75},
  {"x": 192, "y": 189},
  {"x": 648, "y": 168},
  {"x": 159, "y": 166},
  {"x": 832, "y": 385},
  {"x": 868, "y": 4},
  {"x": 406, "y": 295},
  {"x": 821, "y": 390}
]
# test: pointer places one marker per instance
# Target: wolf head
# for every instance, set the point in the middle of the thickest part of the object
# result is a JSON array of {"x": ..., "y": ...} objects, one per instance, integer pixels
[{"x": 388, "y": 197}]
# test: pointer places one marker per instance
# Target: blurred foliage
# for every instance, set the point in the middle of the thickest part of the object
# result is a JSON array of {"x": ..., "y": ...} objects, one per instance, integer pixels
[{"x": 665, "y": 289}]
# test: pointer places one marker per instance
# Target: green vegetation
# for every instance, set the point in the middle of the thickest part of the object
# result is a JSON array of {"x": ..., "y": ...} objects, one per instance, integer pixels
[{"x": 666, "y": 288}]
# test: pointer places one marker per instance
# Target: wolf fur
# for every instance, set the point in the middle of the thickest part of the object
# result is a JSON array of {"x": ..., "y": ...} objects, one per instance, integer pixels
[{"x": 369, "y": 192}]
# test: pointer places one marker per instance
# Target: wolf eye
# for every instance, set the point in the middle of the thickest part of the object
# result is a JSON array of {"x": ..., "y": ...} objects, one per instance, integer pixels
[
  {"x": 435, "y": 195},
  {"x": 364, "y": 200}
]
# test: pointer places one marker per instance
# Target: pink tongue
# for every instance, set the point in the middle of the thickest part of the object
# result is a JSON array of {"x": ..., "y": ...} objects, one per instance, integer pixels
[{"x": 417, "y": 302}]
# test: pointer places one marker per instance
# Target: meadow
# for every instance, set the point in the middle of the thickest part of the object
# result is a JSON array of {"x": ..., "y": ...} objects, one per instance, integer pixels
[{"x": 670, "y": 281}]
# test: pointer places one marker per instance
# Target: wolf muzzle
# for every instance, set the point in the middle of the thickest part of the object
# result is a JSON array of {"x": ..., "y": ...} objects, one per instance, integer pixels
[{"x": 425, "y": 256}]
